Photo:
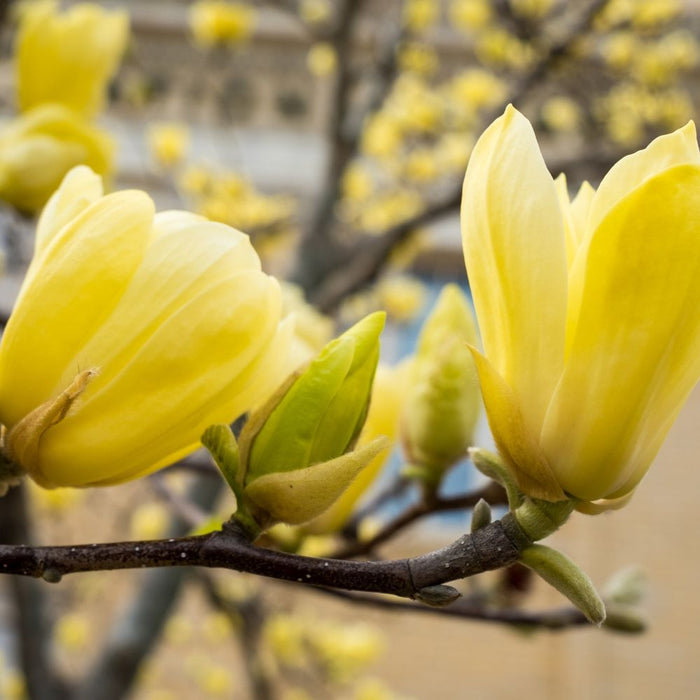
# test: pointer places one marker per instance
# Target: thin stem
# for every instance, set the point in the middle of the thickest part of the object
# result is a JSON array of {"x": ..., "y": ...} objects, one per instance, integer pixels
[{"x": 492, "y": 493}]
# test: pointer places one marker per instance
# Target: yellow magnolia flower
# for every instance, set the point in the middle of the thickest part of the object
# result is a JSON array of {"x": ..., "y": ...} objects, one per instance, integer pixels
[
  {"x": 322, "y": 59},
  {"x": 168, "y": 143},
  {"x": 217, "y": 22},
  {"x": 585, "y": 365},
  {"x": 68, "y": 57},
  {"x": 132, "y": 333},
  {"x": 39, "y": 147}
]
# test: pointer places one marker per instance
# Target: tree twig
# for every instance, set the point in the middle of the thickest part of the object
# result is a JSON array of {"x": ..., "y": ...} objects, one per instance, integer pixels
[
  {"x": 553, "y": 620},
  {"x": 492, "y": 493},
  {"x": 32, "y": 623}
]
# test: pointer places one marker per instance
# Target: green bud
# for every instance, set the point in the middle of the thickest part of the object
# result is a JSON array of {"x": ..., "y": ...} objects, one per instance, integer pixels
[
  {"x": 624, "y": 618},
  {"x": 443, "y": 403},
  {"x": 564, "y": 575},
  {"x": 481, "y": 515},
  {"x": 627, "y": 586},
  {"x": 296, "y": 452},
  {"x": 491, "y": 465},
  {"x": 299, "y": 496}
]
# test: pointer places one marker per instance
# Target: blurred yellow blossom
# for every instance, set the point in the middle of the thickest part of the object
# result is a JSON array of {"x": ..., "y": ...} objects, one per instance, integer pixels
[
  {"x": 421, "y": 165},
  {"x": 652, "y": 13},
  {"x": 12, "y": 685},
  {"x": 375, "y": 689},
  {"x": 476, "y": 88},
  {"x": 357, "y": 184},
  {"x": 381, "y": 136},
  {"x": 149, "y": 521},
  {"x": 344, "y": 649},
  {"x": 168, "y": 142},
  {"x": 285, "y": 635},
  {"x": 163, "y": 374},
  {"x": 619, "y": 49},
  {"x": 68, "y": 57},
  {"x": 40, "y": 146},
  {"x": 499, "y": 47},
  {"x": 322, "y": 59},
  {"x": 470, "y": 15},
  {"x": 452, "y": 151},
  {"x": 418, "y": 58},
  {"x": 72, "y": 631},
  {"x": 217, "y": 627},
  {"x": 194, "y": 180},
  {"x": 179, "y": 629},
  {"x": 388, "y": 209},
  {"x": 401, "y": 296},
  {"x": 55, "y": 500},
  {"x": 532, "y": 9},
  {"x": 315, "y": 11},
  {"x": 215, "y": 680},
  {"x": 311, "y": 327},
  {"x": 419, "y": 15},
  {"x": 561, "y": 113},
  {"x": 218, "y": 22}
]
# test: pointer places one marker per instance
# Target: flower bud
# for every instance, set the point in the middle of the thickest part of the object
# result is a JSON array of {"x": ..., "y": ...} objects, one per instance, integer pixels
[
  {"x": 39, "y": 147},
  {"x": 297, "y": 451},
  {"x": 68, "y": 57},
  {"x": 443, "y": 403}
]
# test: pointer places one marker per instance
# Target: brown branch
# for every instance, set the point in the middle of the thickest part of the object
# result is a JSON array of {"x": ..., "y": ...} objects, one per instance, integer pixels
[
  {"x": 492, "y": 547},
  {"x": 492, "y": 493}
]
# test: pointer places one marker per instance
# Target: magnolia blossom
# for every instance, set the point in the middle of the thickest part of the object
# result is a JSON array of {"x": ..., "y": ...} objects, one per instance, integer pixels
[
  {"x": 68, "y": 57},
  {"x": 589, "y": 311},
  {"x": 132, "y": 333}
]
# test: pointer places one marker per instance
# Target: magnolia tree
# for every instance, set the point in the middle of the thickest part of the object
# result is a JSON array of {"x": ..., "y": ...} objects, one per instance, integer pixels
[{"x": 138, "y": 337}]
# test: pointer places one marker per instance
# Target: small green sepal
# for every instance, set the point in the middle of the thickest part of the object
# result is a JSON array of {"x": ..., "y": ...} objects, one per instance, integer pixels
[
  {"x": 564, "y": 575},
  {"x": 481, "y": 515}
]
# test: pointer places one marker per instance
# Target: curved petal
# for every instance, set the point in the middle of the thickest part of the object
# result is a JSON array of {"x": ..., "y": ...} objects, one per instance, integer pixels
[
  {"x": 80, "y": 188},
  {"x": 85, "y": 269},
  {"x": 514, "y": 246},
  {"x": 516, "y": 444},
  {"x": 190, "y": 357},
  {"x": 667, "y": 151},
  {"x": 635, "y": 349}
]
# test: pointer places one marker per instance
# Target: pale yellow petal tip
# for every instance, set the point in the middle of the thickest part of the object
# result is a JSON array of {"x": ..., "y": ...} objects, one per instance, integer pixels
[{"x": 603, "y": 505}]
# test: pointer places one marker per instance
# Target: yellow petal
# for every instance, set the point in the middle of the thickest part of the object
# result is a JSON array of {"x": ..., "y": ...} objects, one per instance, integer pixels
[
  {"x": 678, "y": 148},
  {"x": 515, "y": 442},
  {"x": 580, "y": 212},
  {"x": 635, "y": 342},
  {"x": 71, "y": 289},
  {"x": 80, "y": 188},
  {"x": 298, "y": 496},
  {"x": 171, "y": 390},
  {"x": 514, "y": 245},
  {"x": 565, "y": 206}
]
